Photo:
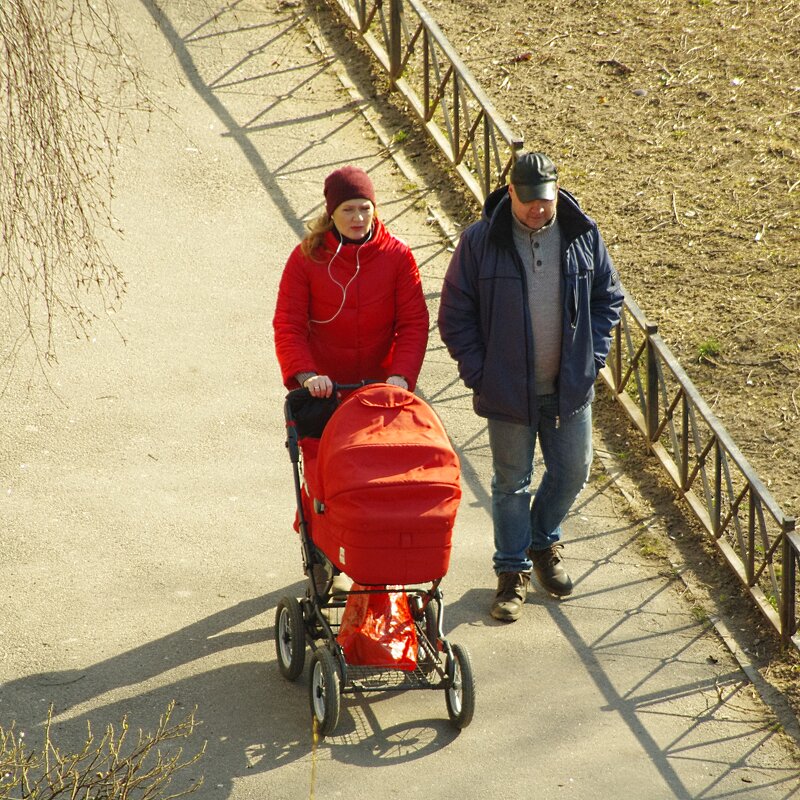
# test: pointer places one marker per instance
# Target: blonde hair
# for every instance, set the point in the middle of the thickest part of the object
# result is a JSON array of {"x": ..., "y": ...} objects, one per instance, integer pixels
[{"x": 317, "y": 229}]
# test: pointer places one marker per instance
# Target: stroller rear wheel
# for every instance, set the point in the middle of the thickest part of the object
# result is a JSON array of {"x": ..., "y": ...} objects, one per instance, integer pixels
[
  {"x": 325, "y": 691},
  {"x": 460, "y": 695},
  {"x": 290, "y": 638}
]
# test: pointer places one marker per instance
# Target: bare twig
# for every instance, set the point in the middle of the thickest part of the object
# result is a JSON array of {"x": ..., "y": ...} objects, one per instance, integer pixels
[
  {"x": 107, "y": 768},
  {"x": 761, "y": 316},
  {"x": 555, "y": 39},
  {"x": 675, "y": 210},
  {"x": 64, "y": 80}
]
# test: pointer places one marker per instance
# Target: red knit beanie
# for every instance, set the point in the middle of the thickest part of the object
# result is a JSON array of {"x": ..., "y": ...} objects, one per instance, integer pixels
[{"x": 347, "y": 183}]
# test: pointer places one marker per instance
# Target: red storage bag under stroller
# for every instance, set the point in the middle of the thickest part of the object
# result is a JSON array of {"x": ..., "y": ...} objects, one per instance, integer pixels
[{"x": 387, "y": 487}]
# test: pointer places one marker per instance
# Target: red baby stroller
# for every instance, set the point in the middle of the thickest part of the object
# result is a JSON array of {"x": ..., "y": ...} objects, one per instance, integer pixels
[{"x": 377, "y": 489}]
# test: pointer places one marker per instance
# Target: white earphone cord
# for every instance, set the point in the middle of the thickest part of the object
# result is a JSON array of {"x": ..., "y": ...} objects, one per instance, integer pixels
[{"x": 346, "y": 286}]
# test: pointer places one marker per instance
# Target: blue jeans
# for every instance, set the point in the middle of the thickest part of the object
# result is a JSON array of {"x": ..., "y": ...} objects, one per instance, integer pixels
[{"x": 567, "y": 454}]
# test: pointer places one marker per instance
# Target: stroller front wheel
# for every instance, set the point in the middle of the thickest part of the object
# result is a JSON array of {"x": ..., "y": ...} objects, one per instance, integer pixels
[
  {"x": 290, "y": 638},
  {"x": 325, "y": 689},
  {"x": 460, "y": 694}
]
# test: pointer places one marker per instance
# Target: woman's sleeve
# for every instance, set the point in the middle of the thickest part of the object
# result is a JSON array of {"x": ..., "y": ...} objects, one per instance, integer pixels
[
  {"x": 411, "y": 322},
  {"x": 290, "y": 322}
]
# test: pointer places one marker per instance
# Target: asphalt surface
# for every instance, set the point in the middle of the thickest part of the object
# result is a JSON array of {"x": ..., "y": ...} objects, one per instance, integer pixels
[{"x": 147, "y": 497}]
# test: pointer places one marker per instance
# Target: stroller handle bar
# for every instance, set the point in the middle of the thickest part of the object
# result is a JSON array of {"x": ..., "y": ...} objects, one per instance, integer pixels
[
  {"x": 302, "y": 392},
  {"x": 301, "y": 400}
]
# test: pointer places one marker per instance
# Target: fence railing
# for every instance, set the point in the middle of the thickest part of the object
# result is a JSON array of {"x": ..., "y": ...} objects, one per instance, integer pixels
[
  {"x": 753, "y": 534},
  {"x": 422, "y": 65},
  {"x": 751, "y": 531}
]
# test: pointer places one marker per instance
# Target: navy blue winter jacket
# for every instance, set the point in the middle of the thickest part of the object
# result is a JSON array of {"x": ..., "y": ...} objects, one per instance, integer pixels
[{"x": 485, "y": 322}]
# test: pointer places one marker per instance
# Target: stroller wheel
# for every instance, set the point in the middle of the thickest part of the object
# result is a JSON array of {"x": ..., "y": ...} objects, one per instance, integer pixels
[
  {"x": 290, "y": 638},
  {"x": 325, "y": 691},
  {"x": 460, "y": 695}
]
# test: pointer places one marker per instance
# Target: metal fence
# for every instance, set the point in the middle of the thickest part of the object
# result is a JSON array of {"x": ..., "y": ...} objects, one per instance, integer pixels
[
  {"x": 422, "y": 65},
  {"x": 751, "y": 531},
  {"x": 756, "y": 538}
]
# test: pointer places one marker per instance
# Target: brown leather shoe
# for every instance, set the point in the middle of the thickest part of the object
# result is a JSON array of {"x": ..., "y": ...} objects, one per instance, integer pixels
[
  {"x": 512, "y": 589},
  {"x": 549, "y": 569}
]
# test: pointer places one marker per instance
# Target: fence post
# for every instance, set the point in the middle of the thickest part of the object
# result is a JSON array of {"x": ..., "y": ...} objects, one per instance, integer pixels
[
  {"x": 716, "y": 518},
  {"x": 395, "y": 38},
  {"x": 788, "y": 609},
  {"x": 487, "y": 158},
  {"x": 617, "y": 353},
  {"x": 651, "y": 395},
  {"x": 685, "y": 433}
]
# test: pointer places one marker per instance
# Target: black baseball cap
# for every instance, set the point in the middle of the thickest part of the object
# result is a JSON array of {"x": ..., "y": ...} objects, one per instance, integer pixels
[{"x": 534, "y": 177}]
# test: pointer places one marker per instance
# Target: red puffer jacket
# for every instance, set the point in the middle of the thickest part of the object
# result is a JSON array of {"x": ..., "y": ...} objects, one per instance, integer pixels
[{"x": 356, "y": 312}]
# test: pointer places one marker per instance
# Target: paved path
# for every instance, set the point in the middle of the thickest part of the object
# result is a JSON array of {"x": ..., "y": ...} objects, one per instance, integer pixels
[{"x": 146, "y": 505}]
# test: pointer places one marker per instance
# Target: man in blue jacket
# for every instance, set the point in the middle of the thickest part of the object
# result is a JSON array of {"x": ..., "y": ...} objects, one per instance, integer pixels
[{"x": 528, "y": 305}]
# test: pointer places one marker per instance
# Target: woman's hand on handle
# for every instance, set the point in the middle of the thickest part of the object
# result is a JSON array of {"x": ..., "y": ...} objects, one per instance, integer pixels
[
  {"x": 319, "y": 385},
  {"x": 397, "y": 380}
]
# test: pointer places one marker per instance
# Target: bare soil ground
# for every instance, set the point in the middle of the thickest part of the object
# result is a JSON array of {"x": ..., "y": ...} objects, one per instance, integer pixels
[{"x": 677, "y": 125}]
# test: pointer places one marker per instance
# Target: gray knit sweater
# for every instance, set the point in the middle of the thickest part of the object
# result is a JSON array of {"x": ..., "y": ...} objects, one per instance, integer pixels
[{"x": 540, "y": 252}]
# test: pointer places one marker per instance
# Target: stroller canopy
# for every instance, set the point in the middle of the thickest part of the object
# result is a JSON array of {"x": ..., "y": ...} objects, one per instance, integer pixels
[{"x": 389, "y": 486}]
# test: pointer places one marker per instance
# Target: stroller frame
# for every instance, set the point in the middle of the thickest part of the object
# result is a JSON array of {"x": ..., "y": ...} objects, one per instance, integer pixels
[{"x": 315, "y": 619}]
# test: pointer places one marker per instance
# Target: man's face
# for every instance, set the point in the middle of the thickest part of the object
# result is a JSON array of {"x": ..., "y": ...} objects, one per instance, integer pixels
[{"x": 535, "y": 214}]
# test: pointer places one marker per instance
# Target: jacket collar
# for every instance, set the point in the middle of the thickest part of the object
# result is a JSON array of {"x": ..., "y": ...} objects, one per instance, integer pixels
[{"x": 497, "y": 214}]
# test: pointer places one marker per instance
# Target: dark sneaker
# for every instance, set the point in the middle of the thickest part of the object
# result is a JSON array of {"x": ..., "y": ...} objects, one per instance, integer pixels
[
  {"x": 512, "y": 588},
  {"x": 549, "y": 569},
  {"x": 321, "y": 575},
  {"x": 330, "y": 584}
]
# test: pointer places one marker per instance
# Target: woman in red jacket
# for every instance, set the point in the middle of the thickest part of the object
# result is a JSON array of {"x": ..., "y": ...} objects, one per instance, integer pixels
[
  {"x": 350, "y": 304},
  {"x": 350, "y": 308}
]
